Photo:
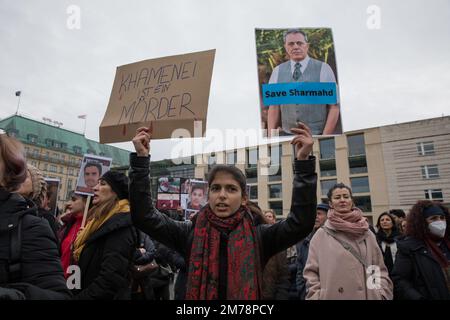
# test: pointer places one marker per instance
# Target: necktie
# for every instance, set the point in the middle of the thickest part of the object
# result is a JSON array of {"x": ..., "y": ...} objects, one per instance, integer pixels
[{"x": 297, "y": 72}]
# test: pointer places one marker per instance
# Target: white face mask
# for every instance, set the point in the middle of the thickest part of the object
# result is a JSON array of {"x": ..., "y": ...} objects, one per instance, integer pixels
[{"x": 437, "y": 228}]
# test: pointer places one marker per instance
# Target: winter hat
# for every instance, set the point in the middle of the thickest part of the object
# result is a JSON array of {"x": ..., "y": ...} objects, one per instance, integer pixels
[
  {"x": 118, "y": 182},
  {"x": 433, "y": 210},
  {"x": 323, "y": 207},
  {"x": 39, "y": 186}
]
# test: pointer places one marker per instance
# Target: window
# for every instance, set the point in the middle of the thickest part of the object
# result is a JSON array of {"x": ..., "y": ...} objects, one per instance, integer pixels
[
  {"x": 232, "y": 157},
  {"x": 12, "y": 132},
  {"x": 91, "y": 151},
  {"x": 326, "y": 185},
  {"x": 35, "y": 153},
  {"x": 327, "y": 168},
  {"x": 32, "y": 138},
  {"x": 61, "y": 169},
  {"x": 55, "y": 156},
  {"x": 356, "y": 145},
  {"x": 357, "y": 154},
  {"x": 77, "y": 149},
  {"x": 53, "y": 168},
  {"x": 327, "y": 148},
  {"x": 212, "y": 160},
  {"x": 57, "y": 144},
  {"x": 275, "y": 170},
  {"x": 434, "y": 194},
  {"x": 70, "y": 171},
  {"x": 276, "y": 206},
  {"x": 430, "y": 171},
  {"x": 357, "y": 164},
  {"x": 45, "y": 166},
  {"x": 102, "y": 154},
  {"x": 69, "y": 185},
  {"x": 275, "y": 191},
  {"x": 253, "y": 192},
  {"x": 252, "y": 157},
  {"x": 364, "y": 203},
  {"x": 360, "y": 184},
  {"x": 252, "y": 175},
  {"x": 425, "y": 148}
]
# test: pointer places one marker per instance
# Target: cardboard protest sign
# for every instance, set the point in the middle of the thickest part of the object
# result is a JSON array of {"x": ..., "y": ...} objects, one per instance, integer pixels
[
  {"x": 298, "y": 80},
  {"x": 169, "y": 93},
  {"x": 92, "y": 168},
  {"x": 52, "y": 194}
]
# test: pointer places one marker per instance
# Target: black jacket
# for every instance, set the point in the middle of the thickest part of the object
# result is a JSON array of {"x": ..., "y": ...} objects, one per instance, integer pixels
[
  {"x": 417, "y": 274},
  {"x": 179, "y": 234},
  {"x": 41, "y": 272},
  {"x": 106, "y": 260},
  {"x": 302, "y": 257}
]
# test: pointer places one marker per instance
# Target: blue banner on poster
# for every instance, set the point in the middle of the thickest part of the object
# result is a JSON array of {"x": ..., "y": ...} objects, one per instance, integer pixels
[{"x": 299, "y": 93}]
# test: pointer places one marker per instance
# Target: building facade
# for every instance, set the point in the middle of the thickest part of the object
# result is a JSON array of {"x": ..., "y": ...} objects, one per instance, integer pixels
[
  {"x": 58, "y": 152},
  {"x": 388, "y": 167}
]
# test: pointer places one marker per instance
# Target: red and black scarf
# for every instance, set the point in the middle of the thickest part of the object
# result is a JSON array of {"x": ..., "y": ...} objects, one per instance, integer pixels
[{"x": 243, "y": 264}]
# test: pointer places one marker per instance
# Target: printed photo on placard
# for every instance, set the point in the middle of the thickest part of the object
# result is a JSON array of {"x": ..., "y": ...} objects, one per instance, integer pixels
[
  {"x": 167, "y": 201},
  {"x": 197, "y": 196},
  {"x": 169, "y": 185},
  {"x": 297, "y": 76},
  {"x": 92, "y": 168},
  {"x": 52, "y": 194}
]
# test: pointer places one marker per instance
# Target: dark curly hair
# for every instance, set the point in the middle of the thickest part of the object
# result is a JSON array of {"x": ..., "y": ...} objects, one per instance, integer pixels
[{"x": 417, "y": 226}]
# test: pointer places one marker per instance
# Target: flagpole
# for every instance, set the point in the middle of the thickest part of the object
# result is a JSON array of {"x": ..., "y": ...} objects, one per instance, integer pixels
[
  {"x": 84, "y": 129},
  {"x": 18, "y": 104}
]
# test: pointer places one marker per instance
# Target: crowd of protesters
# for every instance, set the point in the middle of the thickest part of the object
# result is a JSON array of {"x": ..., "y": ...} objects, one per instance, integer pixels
[{"x": 123, "y": 247}]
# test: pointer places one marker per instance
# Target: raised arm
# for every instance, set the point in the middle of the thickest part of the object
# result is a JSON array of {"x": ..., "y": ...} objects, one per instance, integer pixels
[
  {"x": 145, "y": 216},
  {"x": 300, "y": 220}
]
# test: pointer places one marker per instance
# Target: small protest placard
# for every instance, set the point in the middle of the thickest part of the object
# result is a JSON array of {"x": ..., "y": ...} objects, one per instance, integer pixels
[{"x": 92, "y": 168}]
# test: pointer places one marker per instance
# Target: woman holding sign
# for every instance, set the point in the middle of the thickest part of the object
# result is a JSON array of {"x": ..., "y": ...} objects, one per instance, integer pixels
[
  {"x": 105, "y": 247},
  {"x": 224, "y": 248}
]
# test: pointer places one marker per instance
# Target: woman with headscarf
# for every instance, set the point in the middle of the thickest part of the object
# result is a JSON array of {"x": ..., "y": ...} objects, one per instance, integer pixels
[
  {"x": 344, "y": 260},
  {"x": 422, "y": 267},
  {"x": 105, "y": 248},
  {"x": 225, "y": 251}
]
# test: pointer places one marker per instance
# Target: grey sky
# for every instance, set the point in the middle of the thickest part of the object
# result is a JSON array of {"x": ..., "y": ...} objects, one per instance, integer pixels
[{"x": 395, "y": 74}]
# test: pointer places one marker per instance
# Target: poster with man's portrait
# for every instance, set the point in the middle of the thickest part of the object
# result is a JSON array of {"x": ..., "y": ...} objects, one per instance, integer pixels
[
  {"x": 52, "y": 194},
  {"x": 92, "y": 168},
  {"x": 196, "y": 196},
  {"x": 298, "y": 81}
]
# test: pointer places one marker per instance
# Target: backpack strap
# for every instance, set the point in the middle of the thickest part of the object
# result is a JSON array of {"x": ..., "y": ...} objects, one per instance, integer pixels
[{"x": 346, "y": 246}]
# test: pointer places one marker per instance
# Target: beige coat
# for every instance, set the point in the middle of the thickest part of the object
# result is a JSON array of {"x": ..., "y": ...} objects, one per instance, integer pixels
[{"x": 333, "y": 273}]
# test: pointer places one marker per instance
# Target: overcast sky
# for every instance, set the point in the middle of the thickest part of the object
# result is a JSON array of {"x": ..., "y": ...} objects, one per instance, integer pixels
[{"x": 397, "y": 73}]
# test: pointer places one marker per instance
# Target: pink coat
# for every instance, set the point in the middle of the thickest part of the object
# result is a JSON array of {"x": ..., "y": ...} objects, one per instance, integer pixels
[{"x": 333, "y": 273}]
